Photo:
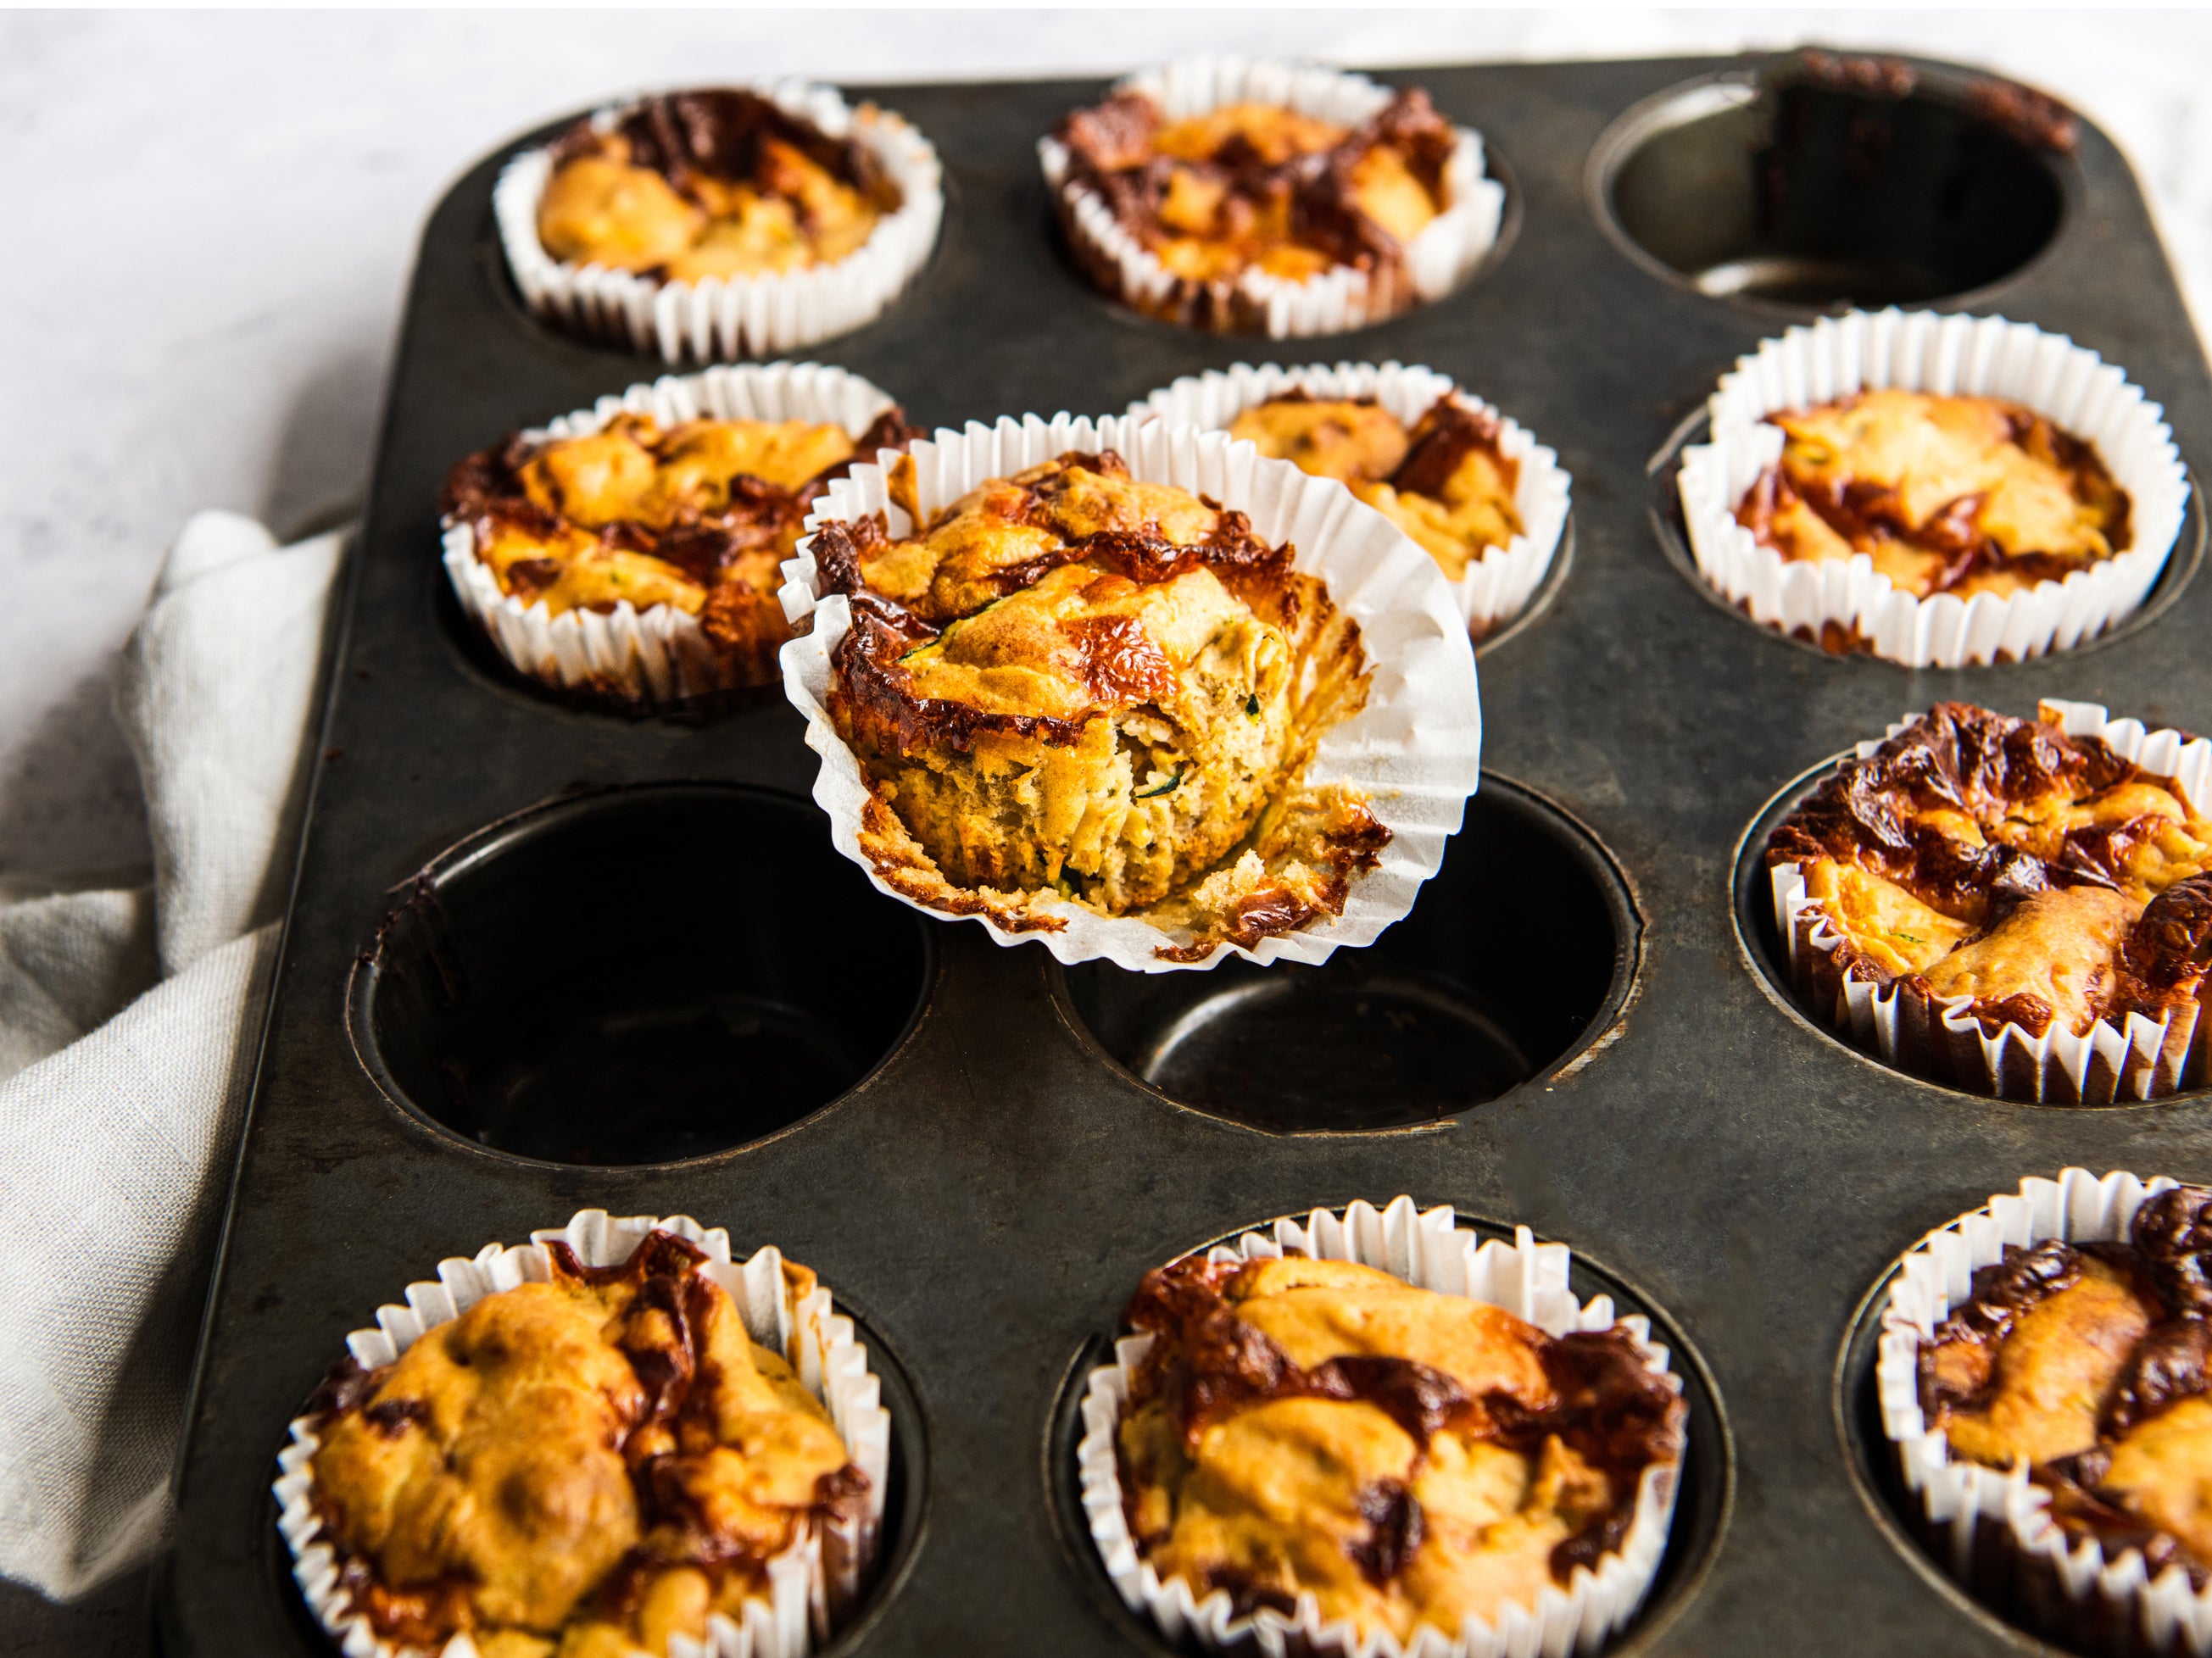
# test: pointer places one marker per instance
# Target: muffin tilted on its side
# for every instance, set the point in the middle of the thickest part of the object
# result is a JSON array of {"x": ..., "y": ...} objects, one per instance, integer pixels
[
  {"x": 1075, "y": 684},
  {"x": 1128, "y": 689}
]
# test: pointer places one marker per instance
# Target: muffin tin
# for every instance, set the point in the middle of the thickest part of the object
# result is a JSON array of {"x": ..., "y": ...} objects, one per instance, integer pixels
[{"x": 507, "y": 905}]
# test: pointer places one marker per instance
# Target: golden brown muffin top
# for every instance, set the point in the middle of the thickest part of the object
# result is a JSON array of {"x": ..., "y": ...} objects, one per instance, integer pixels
[
  {"x": 1304, "y": 1426},
  {"x": 1073, "y": 685},
  {"x": 1446, "y": 482},
  {"x": 1253, "y": 186},
  {"x": 1956, "y": 495},
  {"x": 1035, "y": 601},
  {"x": 708, "y": 184},
  {"x": 699, "y": 515},
  {"x": 2043, "y": 875},
  {"x": 2087, "y": 1364},
  {"x": 607, "y": 1454}
]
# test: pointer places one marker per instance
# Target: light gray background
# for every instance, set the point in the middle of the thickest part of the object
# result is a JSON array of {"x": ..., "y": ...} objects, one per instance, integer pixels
[{"x": 214, "y": 217}]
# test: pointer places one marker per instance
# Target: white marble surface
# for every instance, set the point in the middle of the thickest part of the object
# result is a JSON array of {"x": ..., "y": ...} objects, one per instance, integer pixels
[{"x": 215, "y": 215}]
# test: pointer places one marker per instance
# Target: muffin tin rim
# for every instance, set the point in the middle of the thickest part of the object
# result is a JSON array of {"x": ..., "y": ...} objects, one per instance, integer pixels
[
  {"x": 187, "y": 1610},
  {"x": 1626, "y": 132}
]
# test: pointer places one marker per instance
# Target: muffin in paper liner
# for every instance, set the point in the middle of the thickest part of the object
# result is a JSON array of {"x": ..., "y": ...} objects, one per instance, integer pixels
[
  {"x": 1415, "y": 748},
  {"x": 812, "y": 1584},
  {"x": 1496, "y": 587},
  {"x": 723, "y": 318},
  {"x": 1992, "y": 1528},
  {"x": 2137, "y": 1058},
  {"x": 1839, "y": 357},
  {"x": 660, "y": 654},
  {"x": 1426, "y": 1249},
  {"x": 1436, "y": 260}
]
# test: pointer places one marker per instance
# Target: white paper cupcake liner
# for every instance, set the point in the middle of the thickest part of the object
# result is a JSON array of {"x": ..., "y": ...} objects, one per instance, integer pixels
[
  {"x": 1497, "y": 585},
  {"x": 1415, "y": 748},
  {"x": 1443, "y": 252},
  {"x": 1994, "y": 1525},
  {"x": 2139, "y": 1059},
  {"x": 818, "y": 1573},
  {"x": 1839, "y": 357},
  {"x": 1527, "y": 1279},
  {"x": 721, "y": 318},
  {"x": 659, "y": 654}
]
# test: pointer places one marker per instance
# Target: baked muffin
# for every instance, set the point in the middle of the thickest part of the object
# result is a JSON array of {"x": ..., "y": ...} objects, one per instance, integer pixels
[
  {"x": 2088, "y": 1364},
  {"x": 1945, "y": 494},
  {"x": 2014, "y": 876},
  {"x": 722, "y": 183},
  {"x": 721, "y": 223},
  {"x": 1234, "y": 211},
  {"x": 1409, "y": 1458},
  {"x": 1937, "y": 490},
  {"x": 1072, "y": 684},
  {"x": 1445, "y": 482},
  {"x": 695, "y": 515},
  {"x": 583, "y": 1467}
]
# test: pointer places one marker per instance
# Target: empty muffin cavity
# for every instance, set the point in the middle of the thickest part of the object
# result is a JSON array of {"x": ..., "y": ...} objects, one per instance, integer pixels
[
  {"x": 1520, "y": 951},
  {"x": 635, "y": 977},
  {"x": 1828, "y": 180}
]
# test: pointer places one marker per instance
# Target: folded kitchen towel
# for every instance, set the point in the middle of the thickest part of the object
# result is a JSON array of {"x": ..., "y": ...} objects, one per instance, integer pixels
[{"x": 127, "y": 1025}]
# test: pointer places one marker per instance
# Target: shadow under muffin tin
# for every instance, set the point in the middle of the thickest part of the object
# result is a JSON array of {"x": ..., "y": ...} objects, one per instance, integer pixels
[{"x": 543, "y": 957}]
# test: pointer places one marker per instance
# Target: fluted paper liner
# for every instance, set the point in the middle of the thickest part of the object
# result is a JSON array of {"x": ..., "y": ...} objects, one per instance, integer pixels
[
  {"x": 1994, "y": 1525},
  {"x": 1985, "y": 356},
  {"x": 659, "y": 654},
  {"x": 721, "y": 318},
  {"x": 1527, "y": 1279},
  {"x": 1442, "y": 252},
  {"x": 1496, "y": 585},
  {"x": 1415, "y": 748},
  {"x": 2136, "y": 1059},
  {"x": 818, "y": 1575}
]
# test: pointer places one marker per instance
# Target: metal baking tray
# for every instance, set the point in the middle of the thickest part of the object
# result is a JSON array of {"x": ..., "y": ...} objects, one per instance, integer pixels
[{"x": 987, "y": 1192}]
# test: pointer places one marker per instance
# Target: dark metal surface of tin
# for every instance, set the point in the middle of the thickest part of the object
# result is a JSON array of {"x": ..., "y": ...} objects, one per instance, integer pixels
[{"x": 1568, "y": 1032}]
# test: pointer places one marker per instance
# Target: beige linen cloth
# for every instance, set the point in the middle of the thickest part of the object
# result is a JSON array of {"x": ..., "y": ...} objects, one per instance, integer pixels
[{"x": 129, "y": 1022}]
